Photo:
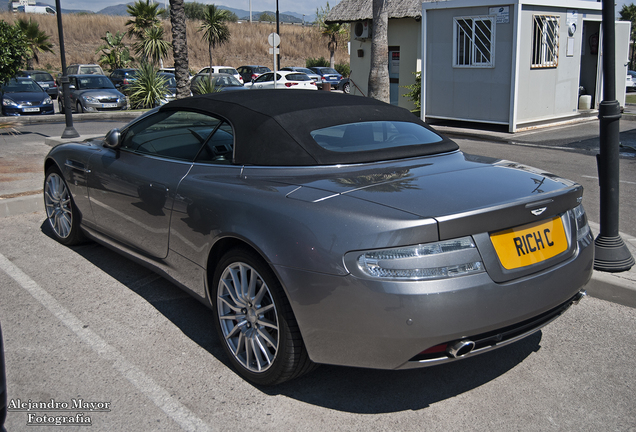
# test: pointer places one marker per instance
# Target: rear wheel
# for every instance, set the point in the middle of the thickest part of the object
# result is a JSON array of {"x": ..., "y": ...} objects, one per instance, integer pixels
[
  {"x": 346, "y": 87},
  {"x": 255, "y": 322},
  {"x": 61, "y": 212}
]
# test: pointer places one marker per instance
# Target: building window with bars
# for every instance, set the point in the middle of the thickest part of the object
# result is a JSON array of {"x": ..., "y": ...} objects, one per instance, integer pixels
[
  {"x": 474, "y": 42},
  {"x": 545, "y": 41}
]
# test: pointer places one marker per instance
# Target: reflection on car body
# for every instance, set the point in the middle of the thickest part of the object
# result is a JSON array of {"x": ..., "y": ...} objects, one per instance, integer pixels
[{"x": 362, "y": 238}]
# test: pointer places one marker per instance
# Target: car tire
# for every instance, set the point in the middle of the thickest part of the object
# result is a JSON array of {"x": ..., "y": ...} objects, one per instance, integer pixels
[
  {"x": 346, "y": 87},
  {"x": 60, "y": 105},
  {"x": 79, "y": 108},
  {"x": 255, "y": 322},
  {"x": 61, "y": 212}
]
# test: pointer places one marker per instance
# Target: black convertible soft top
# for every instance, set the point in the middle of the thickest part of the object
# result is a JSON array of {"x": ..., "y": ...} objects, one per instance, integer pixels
[{"x": 272, "y": 127}]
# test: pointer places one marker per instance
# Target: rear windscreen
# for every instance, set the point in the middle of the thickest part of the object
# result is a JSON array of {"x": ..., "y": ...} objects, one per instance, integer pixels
[{"x": 377, "y": 135}]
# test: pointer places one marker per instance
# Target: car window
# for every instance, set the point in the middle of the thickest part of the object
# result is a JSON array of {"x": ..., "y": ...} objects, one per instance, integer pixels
[
  {"x": 41, "y": 76},
  {"x": 265, "y": 78},
  {"x": 261, "y": 70},
  {"x": 91, "y": 70},
  {"x": 219, "y": 148},
  {"x": 364, "y": 136},
  {"x": 227, "y": 71},
  {"x": 21, "y": 86},
  {"x": 170, "y": 134},
  {"x": 95, "y": 82},
  {"x": 298, "y": 77}
]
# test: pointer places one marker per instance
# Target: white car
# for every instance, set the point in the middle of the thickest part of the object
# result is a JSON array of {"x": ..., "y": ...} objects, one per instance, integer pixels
[
  {"x": 222, "y": 69},
  {"x": 284, "y": 80}
]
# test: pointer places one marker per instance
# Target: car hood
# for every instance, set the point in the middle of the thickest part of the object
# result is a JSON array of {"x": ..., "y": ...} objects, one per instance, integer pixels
[
  {"x": 99, "y": 93},
  {"x": 451, "y": 188}
]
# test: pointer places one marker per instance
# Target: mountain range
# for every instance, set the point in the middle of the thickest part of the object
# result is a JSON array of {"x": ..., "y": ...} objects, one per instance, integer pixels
[{"x": 243, "y": 15}]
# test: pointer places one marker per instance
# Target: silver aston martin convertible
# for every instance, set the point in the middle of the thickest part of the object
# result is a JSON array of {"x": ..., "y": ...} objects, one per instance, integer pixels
[{"x": 327, "y": 228}]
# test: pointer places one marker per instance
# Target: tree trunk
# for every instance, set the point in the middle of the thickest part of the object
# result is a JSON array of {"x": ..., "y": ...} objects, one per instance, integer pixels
[
  {"x": 180, "y": 48},
  {"x": 379, "y": 85}
]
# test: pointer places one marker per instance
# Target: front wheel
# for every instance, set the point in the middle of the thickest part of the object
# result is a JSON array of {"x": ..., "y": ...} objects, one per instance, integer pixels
[
  {"x": 79, "y": 108},
  {"x": 61, "y": 212},
  {"x": 254, "y": 321},
  {"x": 346, "y": 88}
]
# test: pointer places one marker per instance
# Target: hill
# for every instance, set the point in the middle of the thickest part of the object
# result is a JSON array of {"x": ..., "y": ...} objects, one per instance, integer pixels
[{"x": 248, "y": 42}]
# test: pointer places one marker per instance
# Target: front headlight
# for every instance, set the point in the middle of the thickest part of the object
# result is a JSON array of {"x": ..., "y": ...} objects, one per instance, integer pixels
[
  {"x": 47, "y": 101},
  {"x": 444, "y": 259},
  {"x": 8, "y": 102},
  {"x": 91, "y": 99}
]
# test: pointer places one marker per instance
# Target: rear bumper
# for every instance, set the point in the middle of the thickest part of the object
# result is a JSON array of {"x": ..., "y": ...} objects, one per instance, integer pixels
[{"x": 349, "y": 321}]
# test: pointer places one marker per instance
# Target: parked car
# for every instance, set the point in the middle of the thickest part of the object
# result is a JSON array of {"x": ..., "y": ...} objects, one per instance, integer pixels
[
  {"x": 284, "y": 80},
  {"x": 327, "y": 76},
  {"x": 93, "y": 93},
  {"x": 44, "y": 80},
  {"x": 250, "y": 72},
  {"x": 80, "y": 69},
  {"x": 311, "y": 74},
  {"x": 122, "y": 78},
  {"x": 23, "y": 96},
  {"x": 171, "y": 83},
  {"x": 224, "y": 70},
  {"x": 345, "y": 85},
  {"x": 221, "y": 82},
  {"x": 359, "y": 238},
  {"x": 84, "y": 69},
  {"x": 630, "y": 82}
]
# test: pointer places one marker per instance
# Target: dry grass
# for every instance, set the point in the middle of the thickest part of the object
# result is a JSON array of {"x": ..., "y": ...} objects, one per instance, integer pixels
[{"x": 247, "y": 45}]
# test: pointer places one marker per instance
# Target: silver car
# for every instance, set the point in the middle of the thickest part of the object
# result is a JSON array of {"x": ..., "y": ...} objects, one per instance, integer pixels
[
  {"x": 359, "y": 238},
  {"x": 92, "y": 93}
]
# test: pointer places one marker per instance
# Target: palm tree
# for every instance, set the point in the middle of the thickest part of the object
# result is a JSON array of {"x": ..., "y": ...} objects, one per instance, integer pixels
[
  {"x": 37, "y": 41},
  {"x": 114, "y": 52},
  {"x": 151, "y": 47},
  {"x": 379, "y": 75},
  {"x": 334, "y": 32},
  {"x": 214, "y": 27},
  {"x": 179, "y": 47},
  {"x": 149, "y": 89},
  {"x": 145, "y": 16},
  {"x": 628, "y": 13}
]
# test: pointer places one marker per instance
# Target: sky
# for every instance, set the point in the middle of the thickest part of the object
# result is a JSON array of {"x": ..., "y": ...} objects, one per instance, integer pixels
[{"x": 307, "y": 7}]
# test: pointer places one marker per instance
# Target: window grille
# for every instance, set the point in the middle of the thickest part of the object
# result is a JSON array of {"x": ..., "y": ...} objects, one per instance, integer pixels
[
  {"x": 474, "y": 44},
  {"x": 545, "y": 41}
]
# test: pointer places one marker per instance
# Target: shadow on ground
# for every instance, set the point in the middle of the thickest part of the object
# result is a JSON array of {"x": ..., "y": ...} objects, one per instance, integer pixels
[{"x": 354, "y": 390}]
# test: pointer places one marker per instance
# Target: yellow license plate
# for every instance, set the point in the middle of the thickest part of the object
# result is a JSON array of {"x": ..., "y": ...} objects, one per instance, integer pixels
[{"x": 530, "y": 244}]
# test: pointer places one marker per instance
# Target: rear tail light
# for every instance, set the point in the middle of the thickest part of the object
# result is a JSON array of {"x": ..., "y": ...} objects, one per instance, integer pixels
[{"x": 289, "y": 84}]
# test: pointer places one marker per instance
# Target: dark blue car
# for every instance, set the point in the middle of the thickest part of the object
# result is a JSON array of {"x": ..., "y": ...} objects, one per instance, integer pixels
[
  {"x": 23, "y": 96},
  {"x": 328, "y": 76}
]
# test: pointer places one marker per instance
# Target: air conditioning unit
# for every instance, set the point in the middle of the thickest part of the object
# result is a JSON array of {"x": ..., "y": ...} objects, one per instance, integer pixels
[{"x": 362, "y": 29}]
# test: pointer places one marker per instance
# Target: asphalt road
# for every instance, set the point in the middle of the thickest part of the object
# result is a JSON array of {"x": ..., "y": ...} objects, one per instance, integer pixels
[{"x": 85, "y": 323}]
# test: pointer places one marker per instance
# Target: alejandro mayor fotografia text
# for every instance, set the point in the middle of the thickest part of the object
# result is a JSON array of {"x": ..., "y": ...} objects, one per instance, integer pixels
[{"x": 53, "y": 412}]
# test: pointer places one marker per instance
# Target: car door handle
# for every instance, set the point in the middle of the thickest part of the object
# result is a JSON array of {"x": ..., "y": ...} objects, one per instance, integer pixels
[{"x": 159, "y": 186}]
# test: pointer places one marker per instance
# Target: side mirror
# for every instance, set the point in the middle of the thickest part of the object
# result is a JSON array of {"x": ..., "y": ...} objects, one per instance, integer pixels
[
  {"x": 71, "y": 87},
  {"x": 112, "y": 139}
]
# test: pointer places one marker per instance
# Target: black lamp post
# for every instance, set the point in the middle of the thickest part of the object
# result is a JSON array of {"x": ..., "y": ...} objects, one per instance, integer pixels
[
  {"x": 69, "y": 131},
  {"x": 278, "y": 33},
  {"x": 611, "y": 253}
]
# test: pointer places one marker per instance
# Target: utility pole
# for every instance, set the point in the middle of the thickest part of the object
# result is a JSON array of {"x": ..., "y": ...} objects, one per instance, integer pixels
[
  {"x": 611, "y": 253},
  {"x": 69, "y": 131}
]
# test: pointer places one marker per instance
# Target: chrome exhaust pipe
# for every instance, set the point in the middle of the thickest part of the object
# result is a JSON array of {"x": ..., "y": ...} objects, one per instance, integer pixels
[
  {"x": 579, "y": 297},
  {"x": 460, "y": 348}
]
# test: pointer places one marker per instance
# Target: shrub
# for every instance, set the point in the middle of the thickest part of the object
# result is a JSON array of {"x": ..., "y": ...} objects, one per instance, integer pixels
[
  {"x": 343, "y": 69},
  {"x": 149, "y": 89},
  {"x": 317, "y": 62}
]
